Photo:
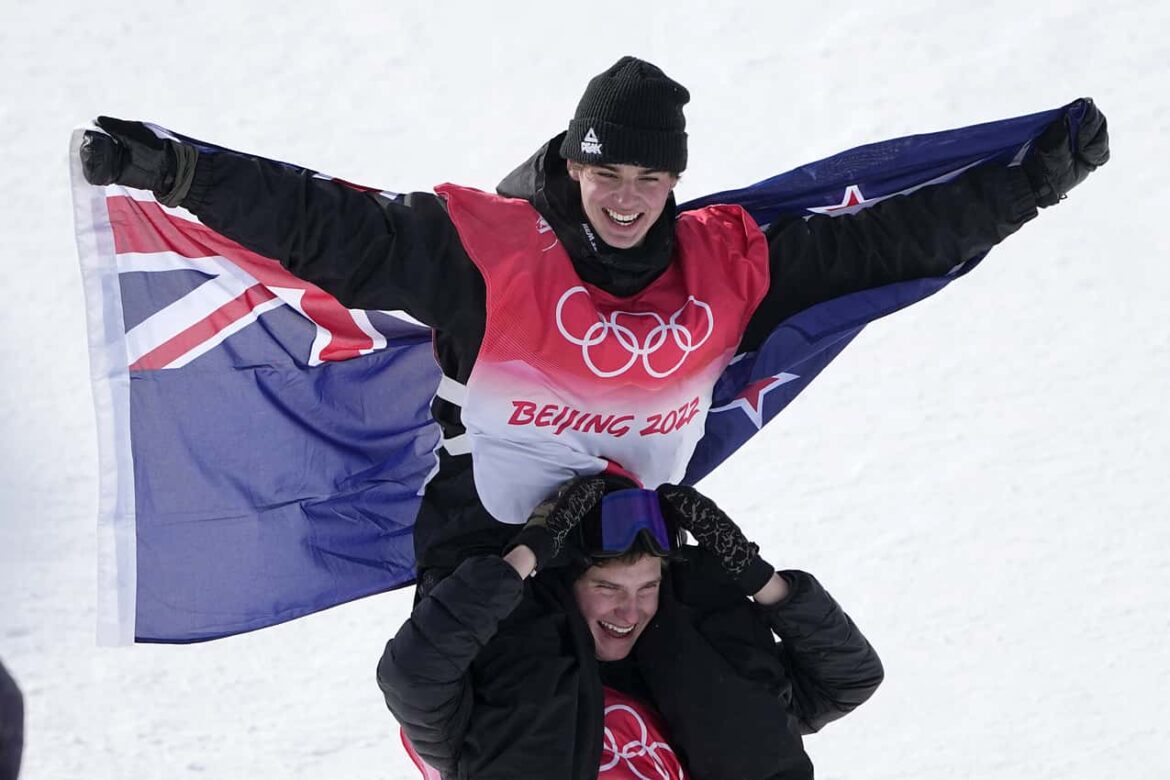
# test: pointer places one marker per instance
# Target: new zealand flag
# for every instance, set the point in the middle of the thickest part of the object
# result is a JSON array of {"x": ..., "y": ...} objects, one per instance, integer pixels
[{"x": 263, "y": 448}]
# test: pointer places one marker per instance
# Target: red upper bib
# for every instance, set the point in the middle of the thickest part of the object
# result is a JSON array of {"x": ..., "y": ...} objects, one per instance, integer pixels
[{"x": 570, "y": 379}]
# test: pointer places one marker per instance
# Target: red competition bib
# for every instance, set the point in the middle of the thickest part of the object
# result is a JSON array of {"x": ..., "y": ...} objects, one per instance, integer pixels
[
  {"x": 571, "y": 380},
  {"x": 635, "y": 746}
]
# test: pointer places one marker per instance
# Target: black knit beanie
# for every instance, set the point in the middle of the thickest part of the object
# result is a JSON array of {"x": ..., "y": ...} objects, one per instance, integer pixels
[{"x": 631, "y": 114}]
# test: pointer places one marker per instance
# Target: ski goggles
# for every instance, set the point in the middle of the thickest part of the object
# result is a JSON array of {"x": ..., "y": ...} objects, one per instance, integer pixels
[{"x": 625, "y": 516}]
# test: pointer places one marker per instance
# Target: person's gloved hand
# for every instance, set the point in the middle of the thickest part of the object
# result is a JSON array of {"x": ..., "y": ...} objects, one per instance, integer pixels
[
  {"x": 130, "y": 154},
  {"x": 715, "y": 531},
  {"x": 552, "y": 521},
  {"x": 1057, "y": 162}
]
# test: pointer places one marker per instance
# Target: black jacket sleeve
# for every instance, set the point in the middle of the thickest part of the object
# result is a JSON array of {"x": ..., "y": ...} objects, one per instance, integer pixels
[
  {"x": 712, "y": 674},
  {"x": 832, "y": 667},
  {"x": 757, "y": 677},
  {"x": 368, "y": 250},
  {"x": 424, "y": 671},
  {"x": 922, "y": 234}
]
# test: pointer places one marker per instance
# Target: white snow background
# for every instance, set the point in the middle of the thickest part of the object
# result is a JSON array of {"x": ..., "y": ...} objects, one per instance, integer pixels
[{"x": 980, "y": 480}]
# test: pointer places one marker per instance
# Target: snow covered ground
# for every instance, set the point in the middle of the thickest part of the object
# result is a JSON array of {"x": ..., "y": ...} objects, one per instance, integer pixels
[{"x": 981, "y": 480}]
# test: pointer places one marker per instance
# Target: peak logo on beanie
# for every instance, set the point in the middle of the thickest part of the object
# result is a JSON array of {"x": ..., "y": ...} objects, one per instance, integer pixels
[
  {"x": 590, "y": 144},
  {"x": 631, "y": 114}
]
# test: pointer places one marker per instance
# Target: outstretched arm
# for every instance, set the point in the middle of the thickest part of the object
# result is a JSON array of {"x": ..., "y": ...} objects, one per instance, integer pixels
[
  {"x": 925, "y": 233},
  {"x": 368, "y": 250},
  {"x": 929, "y": 231}
]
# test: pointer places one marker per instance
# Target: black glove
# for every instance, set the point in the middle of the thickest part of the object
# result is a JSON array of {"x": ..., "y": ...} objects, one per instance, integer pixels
[
  {"x": 133, "y": 156},
  {"x": 716, "y": 532},
  {"x": 1057, "y": 162},
  {"x": 551, "y": 522}
]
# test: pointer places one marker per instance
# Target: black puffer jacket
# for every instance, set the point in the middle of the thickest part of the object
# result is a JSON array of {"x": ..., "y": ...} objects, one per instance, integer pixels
[
  {"x": 373, "y": 251},
  {"x": 488, "y": 683}
]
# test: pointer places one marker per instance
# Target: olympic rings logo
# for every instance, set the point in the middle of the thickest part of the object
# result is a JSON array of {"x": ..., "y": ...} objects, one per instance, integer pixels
[
  {"x": 655, "y": 339},
  {"x": 612, "y": 753}
]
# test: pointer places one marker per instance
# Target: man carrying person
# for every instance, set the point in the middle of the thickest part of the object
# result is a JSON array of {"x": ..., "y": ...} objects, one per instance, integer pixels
[{"x": 626, "y": 654}]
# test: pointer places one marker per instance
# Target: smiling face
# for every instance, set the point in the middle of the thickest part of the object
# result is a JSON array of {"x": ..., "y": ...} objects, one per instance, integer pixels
[
  {"x": 622, "y": 202},
  {"x": 617, "y": 601}
]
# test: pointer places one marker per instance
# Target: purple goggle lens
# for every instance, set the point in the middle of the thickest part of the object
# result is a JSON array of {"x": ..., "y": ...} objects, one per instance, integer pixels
[{"x": 624, "y": 515}]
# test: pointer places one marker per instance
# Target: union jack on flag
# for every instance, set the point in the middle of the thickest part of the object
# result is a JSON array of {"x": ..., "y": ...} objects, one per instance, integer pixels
[
  {"x": 241, "y": 285},
  {"x": 263, "y": 447}
]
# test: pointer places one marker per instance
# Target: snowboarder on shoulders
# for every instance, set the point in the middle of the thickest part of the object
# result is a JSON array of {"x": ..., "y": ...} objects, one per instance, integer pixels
[
  {"x": 579, "y": 320},
  {"x": 626, "y": 653}
]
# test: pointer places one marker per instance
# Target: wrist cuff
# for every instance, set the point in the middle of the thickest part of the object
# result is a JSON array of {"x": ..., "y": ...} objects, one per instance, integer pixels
[
  {"x": 755, "y": 575},
  {"x": 185, "y": 158},
  {"x": 538, "y": 539}
]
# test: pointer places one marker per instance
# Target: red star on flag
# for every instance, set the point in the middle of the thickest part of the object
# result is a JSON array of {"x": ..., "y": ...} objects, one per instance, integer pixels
[
  {"x": 751, "y": 398},
  {"x": 853, "y": 202}
]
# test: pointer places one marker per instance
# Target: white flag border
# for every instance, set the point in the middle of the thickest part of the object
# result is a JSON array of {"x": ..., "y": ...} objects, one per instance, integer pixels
[{"x": 117, "y": 575}]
